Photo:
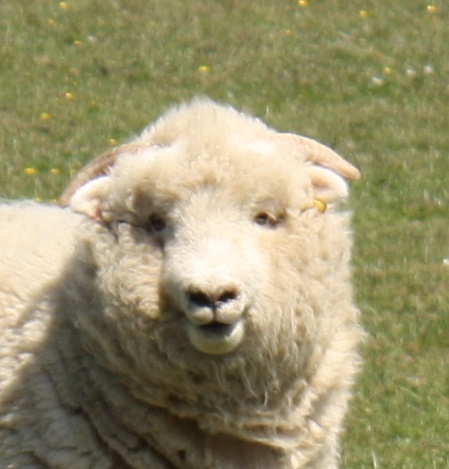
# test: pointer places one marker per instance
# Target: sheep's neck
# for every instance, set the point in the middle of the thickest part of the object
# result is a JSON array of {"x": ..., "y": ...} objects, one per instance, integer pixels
[{"x": 141, "y": 435}]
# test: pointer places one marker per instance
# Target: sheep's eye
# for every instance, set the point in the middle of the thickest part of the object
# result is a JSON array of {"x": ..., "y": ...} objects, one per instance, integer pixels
[
  {"x": 265, "y": 219},
  {"x": 156, "y": 223}
]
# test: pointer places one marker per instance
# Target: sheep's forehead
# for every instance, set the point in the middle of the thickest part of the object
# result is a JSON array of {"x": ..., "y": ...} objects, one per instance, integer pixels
[
  {"x": 207, "y": 144},
  {"x": 207, "y": 128},
  {"x": 201, "y": 121},
  {"x": 146, "y": 182}
]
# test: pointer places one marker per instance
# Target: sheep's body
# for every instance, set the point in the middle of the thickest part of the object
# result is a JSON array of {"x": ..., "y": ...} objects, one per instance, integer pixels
[{"x": 202, "y": 318}]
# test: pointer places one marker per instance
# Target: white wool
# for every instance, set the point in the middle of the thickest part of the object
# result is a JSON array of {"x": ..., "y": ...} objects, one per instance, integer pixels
[{"x": 197, "y": 312}]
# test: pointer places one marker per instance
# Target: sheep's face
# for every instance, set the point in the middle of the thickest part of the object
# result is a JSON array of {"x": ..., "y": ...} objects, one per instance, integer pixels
[
  {"x": 204, "y": 237},
  {"x": 208, "y": 252}
]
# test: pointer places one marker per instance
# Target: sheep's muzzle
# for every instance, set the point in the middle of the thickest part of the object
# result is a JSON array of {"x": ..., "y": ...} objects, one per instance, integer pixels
[{"x": 216, "y": 338}]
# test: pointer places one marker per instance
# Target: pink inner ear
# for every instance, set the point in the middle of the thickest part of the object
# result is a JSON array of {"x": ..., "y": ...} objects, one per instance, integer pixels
[
  {"x": 96, "y": 214},
  {"x": 87, "y": 199},
  {"x": 327, "y": 185}
]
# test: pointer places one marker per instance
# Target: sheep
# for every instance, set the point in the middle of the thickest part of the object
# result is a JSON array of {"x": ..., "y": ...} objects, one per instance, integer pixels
[{"x": 191, "y": 309}]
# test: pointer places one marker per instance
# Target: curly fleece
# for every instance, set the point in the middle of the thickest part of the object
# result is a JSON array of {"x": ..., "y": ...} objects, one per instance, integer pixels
[{"x": 97, "y": 369}]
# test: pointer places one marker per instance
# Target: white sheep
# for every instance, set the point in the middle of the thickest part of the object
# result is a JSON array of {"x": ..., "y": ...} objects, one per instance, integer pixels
[{"x": 196, "y": 313}]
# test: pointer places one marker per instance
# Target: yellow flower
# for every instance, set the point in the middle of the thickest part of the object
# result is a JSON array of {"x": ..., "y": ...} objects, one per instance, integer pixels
[
  {"x": 30, "y": 171},
  {"x": 388, "y": 71},
  {"x": 63, "y": 5},
  {"x": 51, "y": 21},
  {"x": 77, "y": 43},
  {"x": 364, "y": 13},
  {"x": 303, "y": 3},
  {"x": 204, "y": 69},
  {"x": 113, "y": 141},
  {"x": 44, "y": 116},
  {"x": 55, "y": 171},
  {"x": 432, "y": 9},
  {"x": 69, "y": 96}
]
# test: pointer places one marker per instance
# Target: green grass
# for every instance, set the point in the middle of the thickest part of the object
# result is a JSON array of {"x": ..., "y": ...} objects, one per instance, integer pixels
[{"x": 369, "y": 78}]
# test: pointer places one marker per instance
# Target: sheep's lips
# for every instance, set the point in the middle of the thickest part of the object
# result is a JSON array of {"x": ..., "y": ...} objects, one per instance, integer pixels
[{"x": 216, "y": 338}]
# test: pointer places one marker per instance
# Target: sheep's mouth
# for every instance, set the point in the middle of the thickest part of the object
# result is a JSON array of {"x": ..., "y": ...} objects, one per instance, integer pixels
[
  {"x": 216, "y": 338},
  {"x": 217, "y": 328}
]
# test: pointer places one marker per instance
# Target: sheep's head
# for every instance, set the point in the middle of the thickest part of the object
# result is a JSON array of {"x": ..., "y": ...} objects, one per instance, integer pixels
[{"x": 217, "y": 206}]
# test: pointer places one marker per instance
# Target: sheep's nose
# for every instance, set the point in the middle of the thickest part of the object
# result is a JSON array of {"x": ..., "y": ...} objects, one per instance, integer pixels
[
  {"x": 213, "y": 301},
  {"x": 223, "y": 306}
]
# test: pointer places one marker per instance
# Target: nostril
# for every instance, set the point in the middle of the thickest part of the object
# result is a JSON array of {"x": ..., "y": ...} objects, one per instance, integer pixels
[
  {"x": 200, "y": 299},
  {"x": 205, "y": 300},
  {"x": 226, "y": 296}
]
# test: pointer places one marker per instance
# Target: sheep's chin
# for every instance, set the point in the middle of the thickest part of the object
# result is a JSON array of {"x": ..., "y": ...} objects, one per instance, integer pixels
[{"x": 218, "y": 341}]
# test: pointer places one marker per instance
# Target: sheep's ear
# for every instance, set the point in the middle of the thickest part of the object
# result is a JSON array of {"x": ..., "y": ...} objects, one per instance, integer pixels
[
  {"x": 319, "y": 154},
  {"x": 328, "y": 186},
  {"x": 87, "y": 199},
  {"x": 99, "y": 166}
]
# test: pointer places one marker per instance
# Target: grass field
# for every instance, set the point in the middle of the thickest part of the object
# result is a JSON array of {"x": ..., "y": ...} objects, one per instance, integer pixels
[{"x": 369, "y": 78}]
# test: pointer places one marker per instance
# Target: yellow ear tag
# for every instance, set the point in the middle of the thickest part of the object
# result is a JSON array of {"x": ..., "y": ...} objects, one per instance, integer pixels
[{"x": 320, "y": 205}]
